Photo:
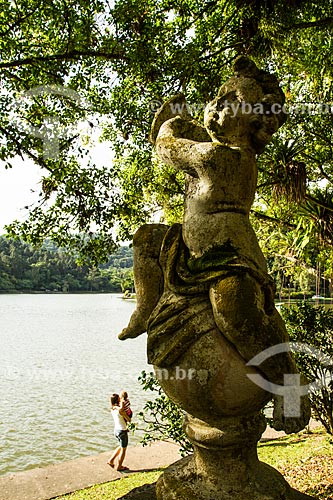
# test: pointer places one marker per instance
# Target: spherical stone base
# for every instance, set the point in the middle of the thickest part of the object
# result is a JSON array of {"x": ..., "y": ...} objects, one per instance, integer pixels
[{"x": 181, "y": 481}]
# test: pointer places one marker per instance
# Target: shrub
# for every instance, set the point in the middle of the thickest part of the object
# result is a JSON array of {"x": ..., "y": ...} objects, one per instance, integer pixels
[
  {"x": 161, "y": 418},
  {"x": 313, "y": 326}
]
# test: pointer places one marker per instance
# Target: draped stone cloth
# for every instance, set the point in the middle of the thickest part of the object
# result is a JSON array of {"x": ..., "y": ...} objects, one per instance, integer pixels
[{"x": 184, "y": 312}]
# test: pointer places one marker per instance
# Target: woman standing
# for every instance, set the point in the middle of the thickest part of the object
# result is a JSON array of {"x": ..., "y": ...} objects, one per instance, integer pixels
[{"x": 120, "y": 431}]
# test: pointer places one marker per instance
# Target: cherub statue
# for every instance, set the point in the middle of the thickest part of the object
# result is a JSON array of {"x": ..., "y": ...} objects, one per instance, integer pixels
[{"x": 209, "y": 274}]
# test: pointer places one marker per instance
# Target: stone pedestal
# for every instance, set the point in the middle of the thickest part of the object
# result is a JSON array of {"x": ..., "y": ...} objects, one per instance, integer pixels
[{"x": 225, "y": 465}]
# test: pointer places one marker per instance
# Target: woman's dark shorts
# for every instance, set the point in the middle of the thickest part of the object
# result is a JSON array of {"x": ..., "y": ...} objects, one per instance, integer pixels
[{"x": 122, "y": 437}]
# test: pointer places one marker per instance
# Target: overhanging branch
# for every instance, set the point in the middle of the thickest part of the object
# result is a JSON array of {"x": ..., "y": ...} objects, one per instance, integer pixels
[
  {"x": 68, "y": 56},
  {"x": 273, "y": 220},
  {"x": 320, "y": 23}
]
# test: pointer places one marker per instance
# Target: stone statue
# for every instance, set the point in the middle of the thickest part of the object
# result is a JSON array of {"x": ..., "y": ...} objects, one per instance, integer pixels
[{"x": 206, "y": 300}]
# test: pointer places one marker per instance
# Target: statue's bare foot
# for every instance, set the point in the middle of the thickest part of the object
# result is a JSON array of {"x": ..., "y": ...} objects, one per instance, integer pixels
[
  {"x": 282, "y": 421},
  {"x": 136, "y": 326}
]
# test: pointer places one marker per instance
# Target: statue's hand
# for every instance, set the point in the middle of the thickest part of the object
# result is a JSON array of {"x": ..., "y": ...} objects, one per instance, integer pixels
[
  {"x": 175, "y": 106},
  {"x": 136, "y": 327},
  {"x": 282, "y": 421}
]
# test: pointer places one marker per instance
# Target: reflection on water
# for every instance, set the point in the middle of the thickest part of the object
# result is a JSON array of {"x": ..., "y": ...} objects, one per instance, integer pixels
[
  {"x": 60, "y": 359},
  {"x": 326, "y": 302}
]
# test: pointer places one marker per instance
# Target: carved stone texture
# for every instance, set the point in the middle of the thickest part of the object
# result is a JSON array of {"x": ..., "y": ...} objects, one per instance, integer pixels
[{"x": 206, "y": 300}]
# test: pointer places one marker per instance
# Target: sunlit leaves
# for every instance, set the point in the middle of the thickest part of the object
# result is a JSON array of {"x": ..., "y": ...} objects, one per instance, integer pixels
[{"x": 119, "y": 57}]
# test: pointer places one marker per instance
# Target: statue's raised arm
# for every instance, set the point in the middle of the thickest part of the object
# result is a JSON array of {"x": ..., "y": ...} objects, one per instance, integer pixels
[{"x": 175, "y": 133}]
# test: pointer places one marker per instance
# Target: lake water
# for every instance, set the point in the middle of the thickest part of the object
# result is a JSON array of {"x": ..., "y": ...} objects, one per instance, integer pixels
[{"x": 60, "y": 360}]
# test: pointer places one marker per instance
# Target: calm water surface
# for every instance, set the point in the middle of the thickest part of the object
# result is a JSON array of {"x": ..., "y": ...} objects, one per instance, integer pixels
[{"x": 60, "y": 359}]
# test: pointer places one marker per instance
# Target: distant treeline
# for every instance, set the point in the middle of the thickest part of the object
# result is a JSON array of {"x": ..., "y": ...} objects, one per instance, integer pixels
[{"x": 51, "y": 269}]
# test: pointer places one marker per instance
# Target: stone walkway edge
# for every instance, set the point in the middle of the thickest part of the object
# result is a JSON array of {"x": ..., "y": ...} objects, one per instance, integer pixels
[{"x": 44, "y": 483}]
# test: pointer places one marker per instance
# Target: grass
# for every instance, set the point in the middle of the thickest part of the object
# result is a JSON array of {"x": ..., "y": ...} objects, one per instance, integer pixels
[
  {"x": 305, "y": 460},
  {"x": 114, "y": 489}
]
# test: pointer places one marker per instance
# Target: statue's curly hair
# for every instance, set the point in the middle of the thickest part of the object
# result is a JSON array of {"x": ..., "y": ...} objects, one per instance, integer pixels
[{"x": 245, "y": 68}]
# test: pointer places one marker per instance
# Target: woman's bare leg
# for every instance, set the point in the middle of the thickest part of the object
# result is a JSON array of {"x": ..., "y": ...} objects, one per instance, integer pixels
[
  {"x": 114, "y": 456},
  {"x": 121, "y": 458}
]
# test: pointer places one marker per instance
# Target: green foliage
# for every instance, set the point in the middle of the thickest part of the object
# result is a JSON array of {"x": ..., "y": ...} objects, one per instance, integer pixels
[
  {"x": 313, "y": 326},
  {"x": 117, "y": 59},
  {"x": 23, "y": 268},
  {"x": 161, "y": 418}
]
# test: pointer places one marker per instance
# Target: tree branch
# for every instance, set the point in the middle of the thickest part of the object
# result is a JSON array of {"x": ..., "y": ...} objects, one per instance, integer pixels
[
  {"x": 18, "y": 21},
  {"x": 320, "y": 166},
  {"x": 71, "y": 55},
  {"x": 21, "y": 150},
  {"x": 327, "y": 21},
  {"x": 267, "y": 218},
  {"x": 324, "y": 174},
  {"x": 222, "y": 49},
  {"x": 267, "y": 183},
  {"x": 319, "y": 203}
]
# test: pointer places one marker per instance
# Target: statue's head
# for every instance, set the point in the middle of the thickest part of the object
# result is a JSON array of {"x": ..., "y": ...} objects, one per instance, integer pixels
[{"x": 248, "y": 109}]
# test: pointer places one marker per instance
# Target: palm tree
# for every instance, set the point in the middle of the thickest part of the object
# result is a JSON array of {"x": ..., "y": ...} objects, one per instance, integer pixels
[{"x": 286, "y": 172}]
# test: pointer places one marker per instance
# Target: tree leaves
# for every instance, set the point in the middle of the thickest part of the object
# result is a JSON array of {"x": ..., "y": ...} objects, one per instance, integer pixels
[{"x": 121, "y": 57}]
